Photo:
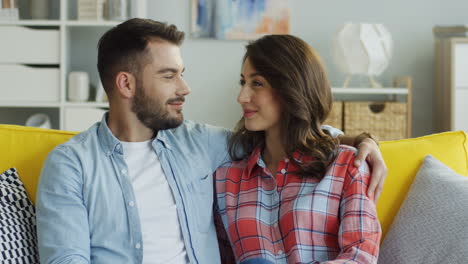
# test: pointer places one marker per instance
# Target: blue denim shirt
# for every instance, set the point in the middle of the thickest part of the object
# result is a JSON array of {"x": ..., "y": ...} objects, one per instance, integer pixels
[{"x": 86, "y": 209}]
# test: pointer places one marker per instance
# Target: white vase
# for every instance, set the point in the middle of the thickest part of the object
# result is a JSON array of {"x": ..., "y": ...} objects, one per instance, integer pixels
[
  {"x": 39, "y": 9},
  {"x": 78, "y": 86}
]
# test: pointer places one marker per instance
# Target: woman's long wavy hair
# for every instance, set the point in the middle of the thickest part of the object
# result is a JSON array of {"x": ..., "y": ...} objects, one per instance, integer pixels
[{"x": 297, "y": 77}]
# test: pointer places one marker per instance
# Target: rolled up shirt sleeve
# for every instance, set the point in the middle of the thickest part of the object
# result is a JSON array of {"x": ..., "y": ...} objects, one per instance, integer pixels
[{"x": 334, "y": 132}]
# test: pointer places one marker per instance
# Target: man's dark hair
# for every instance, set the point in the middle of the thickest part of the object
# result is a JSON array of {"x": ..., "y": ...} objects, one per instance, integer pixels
[{"x": 123, "y": 48}]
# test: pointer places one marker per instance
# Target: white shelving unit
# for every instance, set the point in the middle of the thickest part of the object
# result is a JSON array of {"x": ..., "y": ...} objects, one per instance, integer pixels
[
  {"x": 451, "y": 78},
  {"x": 77, "y": 51},
  {"x": 371, "y": 91}
]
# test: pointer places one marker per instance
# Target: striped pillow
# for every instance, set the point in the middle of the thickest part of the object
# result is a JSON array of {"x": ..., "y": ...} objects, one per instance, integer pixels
[{"x": 18, "y": 240}]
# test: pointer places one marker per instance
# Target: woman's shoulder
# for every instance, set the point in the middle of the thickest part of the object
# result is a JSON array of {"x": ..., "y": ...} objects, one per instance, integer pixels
[
  {"x": 237, "y": 167},
  {"x": 230, "y": 168},
  {"x": 346, "y": 150},
  {"x": 344, "y": 154},
  {"x": 343, "y": 163}
]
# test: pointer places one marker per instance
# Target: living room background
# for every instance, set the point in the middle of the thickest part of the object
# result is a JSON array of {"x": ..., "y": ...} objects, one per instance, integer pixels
[{"x": 213, "y": 66}]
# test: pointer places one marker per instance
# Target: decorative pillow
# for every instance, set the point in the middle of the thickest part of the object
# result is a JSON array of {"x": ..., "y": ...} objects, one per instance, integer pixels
[
  {"x": 18, "y": 240},
  {"x": 431, "y": 225}
]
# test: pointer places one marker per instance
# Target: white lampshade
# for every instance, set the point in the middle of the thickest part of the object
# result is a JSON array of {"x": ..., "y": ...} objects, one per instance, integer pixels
[{"x": 364, "y": 49}]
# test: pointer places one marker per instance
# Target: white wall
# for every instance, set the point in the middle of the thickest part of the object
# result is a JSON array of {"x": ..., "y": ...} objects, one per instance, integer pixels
[{"x": 213, "y": 66}]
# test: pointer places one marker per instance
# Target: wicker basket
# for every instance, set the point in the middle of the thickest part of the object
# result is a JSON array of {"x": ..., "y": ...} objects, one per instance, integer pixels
[
  {"x": 335, "y": 118},
  {"x": 388, "y": 120}
]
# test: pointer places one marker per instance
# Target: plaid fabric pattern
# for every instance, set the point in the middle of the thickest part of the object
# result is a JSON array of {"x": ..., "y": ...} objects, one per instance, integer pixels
[
  {"x": 292, "y": 219},
  {"x": 18, "y": 241}
]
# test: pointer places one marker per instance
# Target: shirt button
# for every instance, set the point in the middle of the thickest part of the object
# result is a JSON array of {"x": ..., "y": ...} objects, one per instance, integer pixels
[
  {"x": 286, "y": 160},
  {"x": 275, "y": 198},
  {"x": 283, "y": 171},
  {"x": 275, "y": 225},
  {"x": 131, "y": 204},
  {"x": 138, "y": 245},
  {"x": 280, "y": 252},
  {"x": 124, "y": 171}
]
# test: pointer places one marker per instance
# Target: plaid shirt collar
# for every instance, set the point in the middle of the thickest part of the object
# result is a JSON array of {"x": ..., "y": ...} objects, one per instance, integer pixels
[{"x": 255, "y": 159}]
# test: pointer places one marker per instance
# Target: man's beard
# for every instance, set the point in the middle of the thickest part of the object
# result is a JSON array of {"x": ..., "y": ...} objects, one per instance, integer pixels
[{"x": 152, "y": 113}]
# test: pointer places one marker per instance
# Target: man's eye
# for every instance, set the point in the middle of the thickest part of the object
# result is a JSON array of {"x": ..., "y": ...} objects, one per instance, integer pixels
[
  {"x": 242, "y": 82},
  {"x": 169, "y": 77}
]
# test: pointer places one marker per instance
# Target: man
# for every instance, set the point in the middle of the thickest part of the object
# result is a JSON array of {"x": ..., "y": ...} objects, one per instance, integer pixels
[{"x": 136, "y": 187}]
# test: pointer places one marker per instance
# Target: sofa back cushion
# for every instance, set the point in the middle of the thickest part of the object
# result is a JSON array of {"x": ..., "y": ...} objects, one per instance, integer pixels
[
  {"x": 405, "y": 157},
  {"x": 26, "y": 149}
]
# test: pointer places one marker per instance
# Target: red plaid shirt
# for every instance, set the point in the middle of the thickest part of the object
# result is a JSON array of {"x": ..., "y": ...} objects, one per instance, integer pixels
[{"x": 290, "y": 219}]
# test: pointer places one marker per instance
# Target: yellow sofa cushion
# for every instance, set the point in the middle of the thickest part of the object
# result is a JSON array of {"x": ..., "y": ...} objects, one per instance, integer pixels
[
  {"x": 26, "y": 149},
  {"x": 403, "y": 159}
]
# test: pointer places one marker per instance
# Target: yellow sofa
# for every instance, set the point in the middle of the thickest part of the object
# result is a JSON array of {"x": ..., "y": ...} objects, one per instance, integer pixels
[{"x": 26, "y": 149}]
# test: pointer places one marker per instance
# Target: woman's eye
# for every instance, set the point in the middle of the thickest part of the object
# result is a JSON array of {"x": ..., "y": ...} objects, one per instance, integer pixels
[
  {"x": 257, "y": 84},
  {"x": 242, "y": 82}
]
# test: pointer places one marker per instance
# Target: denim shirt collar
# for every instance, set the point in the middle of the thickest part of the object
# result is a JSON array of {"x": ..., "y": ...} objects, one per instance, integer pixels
[
  {"x": 162, "y": 137},
  {"x": 108, "y": 141},
  {"x": 111, "y": 144}
]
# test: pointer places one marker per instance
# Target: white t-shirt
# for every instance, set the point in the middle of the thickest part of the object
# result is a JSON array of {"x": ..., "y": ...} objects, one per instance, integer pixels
[{"x": 162, "y": 236}]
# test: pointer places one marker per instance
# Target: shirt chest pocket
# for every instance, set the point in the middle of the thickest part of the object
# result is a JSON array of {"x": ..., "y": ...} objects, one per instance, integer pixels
[{"x": 201, "y": 197}]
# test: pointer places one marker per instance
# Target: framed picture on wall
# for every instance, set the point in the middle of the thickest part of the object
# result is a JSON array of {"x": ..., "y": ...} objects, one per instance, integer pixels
[{"x": 239, "y": 19}]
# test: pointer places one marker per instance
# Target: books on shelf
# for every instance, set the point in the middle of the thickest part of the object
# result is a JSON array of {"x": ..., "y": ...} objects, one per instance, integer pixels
[
  {"x": 91, "y": 10},
  {"x": 9, "y": 10}
]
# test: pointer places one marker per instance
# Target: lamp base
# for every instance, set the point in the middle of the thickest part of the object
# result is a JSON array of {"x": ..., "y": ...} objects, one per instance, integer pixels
[{"x": 372, "y": 81}]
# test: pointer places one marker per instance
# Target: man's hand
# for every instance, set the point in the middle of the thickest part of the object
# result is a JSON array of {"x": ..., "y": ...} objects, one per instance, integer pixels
[{"x": 369, "y": 150}]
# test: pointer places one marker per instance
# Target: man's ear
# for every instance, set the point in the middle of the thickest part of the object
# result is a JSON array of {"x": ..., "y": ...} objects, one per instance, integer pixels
[{"x": 125, "y": 84}]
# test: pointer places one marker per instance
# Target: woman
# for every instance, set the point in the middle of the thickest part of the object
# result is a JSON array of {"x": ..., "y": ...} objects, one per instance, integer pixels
[{"x": 295, "y": 196}]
